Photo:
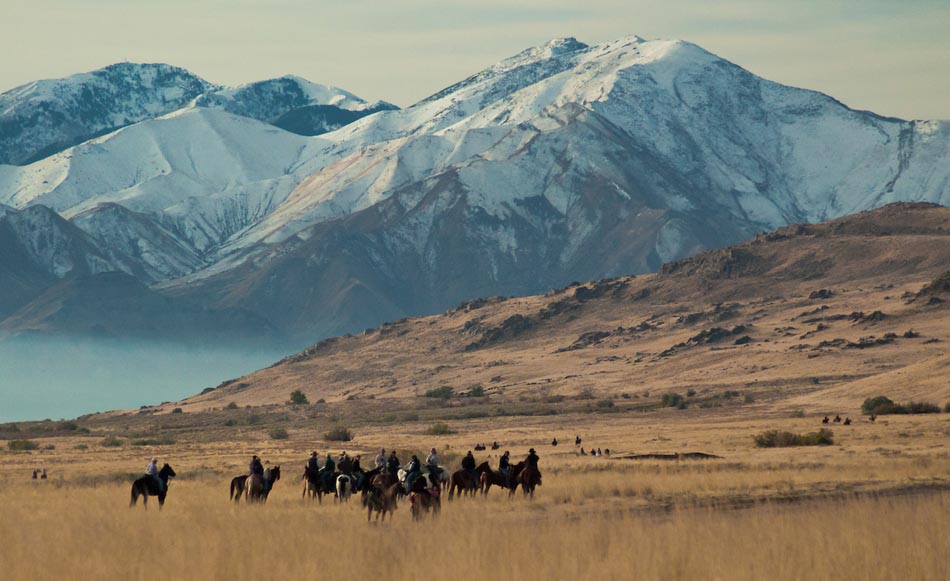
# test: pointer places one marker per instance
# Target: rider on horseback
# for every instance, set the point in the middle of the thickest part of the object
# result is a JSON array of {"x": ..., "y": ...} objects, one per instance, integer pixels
[
  {"x": 413, "y": 471},
  {"x": 358, "y": 473},
  {"x": 468, "y": 464},
  {"x": 381, "y": 458},
  {"x": 345, "y": 465},
  {"x": 326, "y": 474},
  {"x": 532, "y": 459},
  {"x": 313, "y": 464},
  {"x": 257, "y": 468},
  {"x": 432, "y": 463},
  {"x": 393, "y": 464},
  {"x": 152, "y": 470},
  {"x": 504, "y": 467}
]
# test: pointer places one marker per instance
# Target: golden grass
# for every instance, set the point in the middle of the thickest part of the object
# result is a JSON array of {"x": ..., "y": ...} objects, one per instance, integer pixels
[{"x": 89, "y": 533}]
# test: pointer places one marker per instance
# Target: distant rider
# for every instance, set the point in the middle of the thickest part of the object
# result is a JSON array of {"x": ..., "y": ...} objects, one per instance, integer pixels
[
  {"x": 393, "y": 464},
  {"x": 329, "y": 468},
  {"x": 346, "y": 464},
  {"x": 358, "y": 473},
  {"x": 504, "y": 467},
  {"x": 381, "y": 459},
  {"x": 413, "y": 471},
  {"x": 152, "y": 470},
  {"x": 432, "y": 463},
  {"x": 468, "y": 464}
]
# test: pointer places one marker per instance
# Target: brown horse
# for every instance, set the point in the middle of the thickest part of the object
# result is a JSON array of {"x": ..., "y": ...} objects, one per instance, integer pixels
[
  {"x": 315, "y": 485},
  {"x": 258, "y": 488},
  {"x": 463, "y": 482},
  {"x": 381, "y": 500},
  {"x": 491, "y": 478},
  {"x": 146, "y": 486},
  {"x": 529, "y": 477},
  {"x": 238, "y": 484}
]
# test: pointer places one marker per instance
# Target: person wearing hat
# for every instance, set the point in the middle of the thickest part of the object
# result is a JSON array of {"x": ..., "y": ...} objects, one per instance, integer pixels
[
  {"x": 313, "y": 464},
  {"x": 468, "y": 465},
  {"x": 345, "y": 464},
  {"x": 532, "y": 459},
  {"x": 152, "y": 470}
]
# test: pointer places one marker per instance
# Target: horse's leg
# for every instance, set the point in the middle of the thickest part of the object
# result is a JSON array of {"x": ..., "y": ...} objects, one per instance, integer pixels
[{"x": 161, "y": 500}]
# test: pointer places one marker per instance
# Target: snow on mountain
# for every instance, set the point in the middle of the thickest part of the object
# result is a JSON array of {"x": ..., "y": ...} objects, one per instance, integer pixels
[
  {"x": 203, "y": 174},
  {"x": 566, "y": 161},
  {"x": 43, "y": 117}
]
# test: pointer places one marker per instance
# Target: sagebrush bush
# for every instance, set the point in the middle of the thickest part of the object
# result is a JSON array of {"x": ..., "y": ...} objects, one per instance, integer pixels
[
  {"x": 780, "y": 439},
  {"x": 882, "y": 405},
  {"x": 278, "y": 434},
  {"x": 22, "y": 445},
  {"x": 338, "y": 434},
  {"x": 298, "y": 397},
  {"x": 671, "y": 400},
  {"x": 444, "y": 392},
  {"x": 110, "y": 442},
  {"x": 439, "y": 429}
]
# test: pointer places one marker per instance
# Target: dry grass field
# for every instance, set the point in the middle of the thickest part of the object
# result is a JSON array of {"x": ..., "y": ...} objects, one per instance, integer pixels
[
  {"x": 871, "y": 506},
  {"x": 773, "y": 334}
]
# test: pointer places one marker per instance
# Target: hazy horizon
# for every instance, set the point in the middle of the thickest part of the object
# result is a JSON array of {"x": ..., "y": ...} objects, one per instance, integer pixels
[{"x": 888, "y": 58}]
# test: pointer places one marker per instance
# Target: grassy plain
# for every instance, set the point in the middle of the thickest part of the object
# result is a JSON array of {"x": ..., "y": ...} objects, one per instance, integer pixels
[{"x": 872, "y": 506}]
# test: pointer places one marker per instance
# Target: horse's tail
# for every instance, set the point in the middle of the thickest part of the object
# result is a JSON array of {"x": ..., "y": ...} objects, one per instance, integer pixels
[
  {"x": 231, "y": 493},
  {"x": 135, "y": 495},
  {"x": 452, "y": 486}
]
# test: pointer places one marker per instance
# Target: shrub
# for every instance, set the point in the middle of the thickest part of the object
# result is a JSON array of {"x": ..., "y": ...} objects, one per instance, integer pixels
[
  {"x": 278, "y": 434},
  {"x": 444, "y": 392},
  {"x": 80, "y": 447},
  {"x": 22, "y": 445},
  {"x": 777, "y": 439},
  {"x": 798, "y": 414},
  {"x": 881, "y": 405},
  {"x": 160, "y": 441},
  {"x": 477, "y": 391},
  {"x": 232, "y": 406},
  {"x": 586, "y": 393},
  {"x": 560, "y": 398},
  {"x": 877, "y": 405},
  {"x": 439, "y": 429},
  {"x": 338, "y": 434},
  {"x": 748, "y": 398},
  {"x": 68, "y": 426},
  {"x": 690, "y": 392},
  {"x": 177, "y": 411},
  {"x": 671, "y": 400},
  {"x": 110, "y": 442},
  {"x": 297, "y": 397},
  {"x": 605, "y": 403},
  {"x": 230, "y": 422}
]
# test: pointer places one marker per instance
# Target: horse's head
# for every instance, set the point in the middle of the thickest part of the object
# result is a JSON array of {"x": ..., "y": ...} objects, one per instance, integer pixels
[
  {"x": 275, "y": 472},
  {"x": 483, "y": 467},
  {"x": 167, "y": 472}
]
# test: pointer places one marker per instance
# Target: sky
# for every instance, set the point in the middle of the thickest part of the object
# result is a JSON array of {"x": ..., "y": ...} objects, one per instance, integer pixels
[{"x": 889, "y": 57}]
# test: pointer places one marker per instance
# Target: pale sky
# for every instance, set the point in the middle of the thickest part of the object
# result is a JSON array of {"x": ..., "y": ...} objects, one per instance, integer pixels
[{"x": 891, "y": 57}]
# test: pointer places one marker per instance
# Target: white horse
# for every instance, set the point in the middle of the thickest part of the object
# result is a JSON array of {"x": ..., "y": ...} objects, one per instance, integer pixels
[{"x": 344, "y": 487}]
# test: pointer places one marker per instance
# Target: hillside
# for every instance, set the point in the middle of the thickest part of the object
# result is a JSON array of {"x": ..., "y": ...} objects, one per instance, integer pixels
[{"x": 808, "y": 316}]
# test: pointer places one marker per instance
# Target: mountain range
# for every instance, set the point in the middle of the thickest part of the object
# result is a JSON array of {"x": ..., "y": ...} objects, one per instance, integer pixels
[{"x": 304, "y": 210}]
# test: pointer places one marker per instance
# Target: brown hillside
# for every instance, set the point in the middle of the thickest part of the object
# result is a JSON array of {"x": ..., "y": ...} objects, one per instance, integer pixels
[{"x": 804, "y": 317}]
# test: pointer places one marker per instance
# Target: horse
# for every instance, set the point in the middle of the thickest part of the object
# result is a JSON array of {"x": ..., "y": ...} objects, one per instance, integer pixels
[
  {"x": 424, "y": 498},
  {"x": 259, "y": 487},
  {"x": 145, "y": 487},
  {"x": 316, "y": 485},
  {"x": 491, "y": 477},
  {"x": 381, "y": 500},
  {"x": 463, "y": 482},
  {"x": 344, "y": 487},
  {"x": 443, "y": 476},
  {"x": 529, "y": 477},
  {"x": 237, "y": 487}
]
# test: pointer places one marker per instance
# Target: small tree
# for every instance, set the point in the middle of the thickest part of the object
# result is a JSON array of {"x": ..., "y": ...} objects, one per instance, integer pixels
[
  {"x": 297, "y": 397},
  {"x": 279, "y": 434},
  {"x": 338, "y": 434}
]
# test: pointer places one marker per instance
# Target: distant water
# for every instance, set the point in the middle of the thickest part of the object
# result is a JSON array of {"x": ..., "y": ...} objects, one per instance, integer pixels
[{"x": 61, "y": 379}]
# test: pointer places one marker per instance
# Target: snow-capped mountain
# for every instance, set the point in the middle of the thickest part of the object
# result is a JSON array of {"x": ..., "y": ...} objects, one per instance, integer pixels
[
  {"x": 43, "y": 117},
  {"x": 564, "y": 162}
]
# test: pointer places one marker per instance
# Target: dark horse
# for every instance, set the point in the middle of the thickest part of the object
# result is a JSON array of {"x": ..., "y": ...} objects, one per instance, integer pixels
[
  {"x": 529, "y": 478},
  {"x": 425, "y": 497},
  {"x": 145, "y": 487},
  {"x": 491, "y": 477},
  {"x": 316, "y": 485},
  {"x": 259, "y": 487},
  {"x": 463, "y": 482},
  {"x": 381, "y": 499},
  {"x": 237, "y": 487}
]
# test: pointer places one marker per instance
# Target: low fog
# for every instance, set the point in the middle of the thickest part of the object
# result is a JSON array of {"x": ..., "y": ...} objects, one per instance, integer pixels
[{"x": 65, "y": 378}]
